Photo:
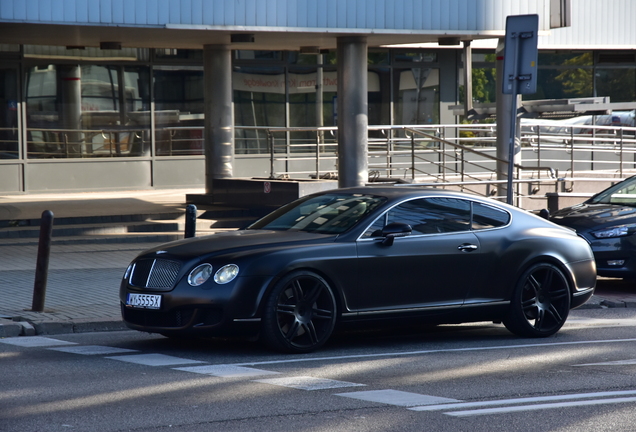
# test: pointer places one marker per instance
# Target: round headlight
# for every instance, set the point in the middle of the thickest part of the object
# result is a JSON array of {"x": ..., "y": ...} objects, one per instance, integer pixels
[
  {"x": 200, "y": 274},
  {"x": 226, "y": 274}
]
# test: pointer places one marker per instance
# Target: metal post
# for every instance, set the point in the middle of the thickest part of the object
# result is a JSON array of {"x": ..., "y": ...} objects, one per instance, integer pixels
[
  {"x": 270, "y": 141},
  {"x": 412, "y": 156},
  {"x": 42, "y": 264},
  {"x": 190, "y": 221}
]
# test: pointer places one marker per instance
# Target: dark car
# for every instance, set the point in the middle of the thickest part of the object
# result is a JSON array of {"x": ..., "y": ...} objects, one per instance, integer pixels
[
  {"x": 368, "y": 254},
  {"x": 608, "y": 222}
]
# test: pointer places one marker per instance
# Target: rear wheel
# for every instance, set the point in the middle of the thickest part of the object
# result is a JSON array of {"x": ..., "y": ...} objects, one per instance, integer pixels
[
  {"x": 540, "y": 303},
  {"x": 300, "y": 313}
]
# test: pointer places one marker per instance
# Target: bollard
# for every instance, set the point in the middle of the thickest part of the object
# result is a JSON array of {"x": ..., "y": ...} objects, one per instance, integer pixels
[
  {"x": 190, "y": 221},
  {"x": 42, "y": 265}
]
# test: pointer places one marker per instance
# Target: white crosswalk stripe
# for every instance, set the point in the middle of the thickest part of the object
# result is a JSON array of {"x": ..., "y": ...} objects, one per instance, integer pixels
[
  {"x": 308, "y": 383},
  {"x": 226, "y": 371},
  {"x": 154, "y": 359},
  {"x": 34, "y": 341}
]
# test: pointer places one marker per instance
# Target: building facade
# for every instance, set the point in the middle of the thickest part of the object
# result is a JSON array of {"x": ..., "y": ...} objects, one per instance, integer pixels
[{"x": 114, "y": 94}]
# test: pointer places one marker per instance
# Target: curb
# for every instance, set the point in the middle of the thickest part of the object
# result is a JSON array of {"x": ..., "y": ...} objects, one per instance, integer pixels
[{"x": 10, "y": 328}]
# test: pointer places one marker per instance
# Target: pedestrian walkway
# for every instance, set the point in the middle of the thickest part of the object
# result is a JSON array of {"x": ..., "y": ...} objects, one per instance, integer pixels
[{"x": 83, "y": 279}]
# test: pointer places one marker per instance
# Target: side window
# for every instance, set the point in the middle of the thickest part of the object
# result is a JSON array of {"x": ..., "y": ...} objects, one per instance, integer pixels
[
  {"x": 485, "y": 216},
  {"x": 427, "y": 216}
]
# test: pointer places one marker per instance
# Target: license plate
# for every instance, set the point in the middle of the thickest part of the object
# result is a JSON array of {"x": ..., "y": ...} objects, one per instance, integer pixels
[{"x": 144, "y": 301}]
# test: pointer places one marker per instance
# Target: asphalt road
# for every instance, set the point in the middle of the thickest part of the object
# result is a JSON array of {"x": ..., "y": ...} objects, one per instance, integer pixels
[{"x": 474, "y": 377}]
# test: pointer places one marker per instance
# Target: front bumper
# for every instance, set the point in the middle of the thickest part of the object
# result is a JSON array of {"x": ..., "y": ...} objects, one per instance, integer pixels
[
  {"x": 209, "y": 310},
  {"x": 615, "y": 257}
]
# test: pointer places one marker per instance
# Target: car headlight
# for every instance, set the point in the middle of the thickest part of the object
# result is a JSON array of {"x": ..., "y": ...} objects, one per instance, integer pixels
[
  {"x": 226, "y": 274},
  {"x": 617, "y": 231},
  {"x": 200, "y": 274}
]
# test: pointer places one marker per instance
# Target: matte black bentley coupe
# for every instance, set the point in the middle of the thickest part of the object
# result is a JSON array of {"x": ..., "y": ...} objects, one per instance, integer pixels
[{"x": 368, "y": 253}]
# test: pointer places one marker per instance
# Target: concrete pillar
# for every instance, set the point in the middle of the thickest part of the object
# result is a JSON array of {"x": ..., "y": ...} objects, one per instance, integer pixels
[
  {"x": 71, "y": 95},
  {"x": 219, "y": 114},
  {"x": 353, "y": 112},
  {"x": 504, "y": 126}
]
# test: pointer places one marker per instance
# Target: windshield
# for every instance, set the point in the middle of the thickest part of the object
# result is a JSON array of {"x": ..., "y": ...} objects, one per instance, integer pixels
[
  {"x": 331, "y": 213},
  {"x": 623, "y": 193}
]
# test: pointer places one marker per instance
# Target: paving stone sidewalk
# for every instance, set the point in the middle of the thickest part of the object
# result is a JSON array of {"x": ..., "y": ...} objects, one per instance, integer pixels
[
  {"x": 83, "y": 279},
  {"x": 81, "y": 293}
]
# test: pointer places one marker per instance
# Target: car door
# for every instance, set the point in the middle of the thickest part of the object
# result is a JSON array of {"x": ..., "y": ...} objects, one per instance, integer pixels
[{"x": 434, "y": 266}]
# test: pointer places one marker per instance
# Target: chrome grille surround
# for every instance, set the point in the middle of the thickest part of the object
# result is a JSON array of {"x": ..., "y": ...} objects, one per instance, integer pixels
[{"x": 153, "y": 273}]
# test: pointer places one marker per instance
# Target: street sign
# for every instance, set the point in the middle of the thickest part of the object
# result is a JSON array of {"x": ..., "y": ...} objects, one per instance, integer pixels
[
  {"x": 519, "y": 74},
  {"x": 520, "y": 54}
]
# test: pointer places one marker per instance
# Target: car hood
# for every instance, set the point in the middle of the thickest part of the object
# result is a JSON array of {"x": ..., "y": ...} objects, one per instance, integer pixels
[
  {"x": 236, "y": 241},
  {"x": 587, "y": 216}
]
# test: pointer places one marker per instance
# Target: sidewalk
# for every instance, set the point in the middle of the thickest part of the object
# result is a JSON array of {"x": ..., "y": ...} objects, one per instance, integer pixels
[{"x": 83, "y": 280}]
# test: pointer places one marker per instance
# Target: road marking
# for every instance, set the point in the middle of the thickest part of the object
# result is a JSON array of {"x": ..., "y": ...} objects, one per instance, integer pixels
[
  {"x": 523, "y": 400},
  {"x": 611, "y": 363},
  {"x": 308, "y": 383},
  {"x": 398, "y": 398},
  {"x": 227, "y": 371},
  {"x": 93, "y": 350},
  {"x": 503, "y": 410},
  {"x": 154, "y": 359},
  {"x": 437, "y": 351},
  {"x": 34, "y": 341}
]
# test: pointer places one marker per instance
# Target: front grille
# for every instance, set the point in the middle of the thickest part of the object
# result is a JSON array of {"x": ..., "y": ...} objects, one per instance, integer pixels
[{"x": 155, "y": 273}]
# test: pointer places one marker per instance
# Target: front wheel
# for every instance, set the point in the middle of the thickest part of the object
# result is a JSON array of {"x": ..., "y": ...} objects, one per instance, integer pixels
[
  {"x": 540, "y": 303},
  {"x": 300, "y": 313}
]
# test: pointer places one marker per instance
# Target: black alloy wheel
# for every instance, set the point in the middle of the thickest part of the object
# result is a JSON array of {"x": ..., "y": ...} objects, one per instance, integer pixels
[
  {"x": 300, "y": 313},
  {"x": 541, "y": 302}
]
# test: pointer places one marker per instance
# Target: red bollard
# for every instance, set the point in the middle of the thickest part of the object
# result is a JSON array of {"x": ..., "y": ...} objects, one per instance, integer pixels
[{"x": 42, "y": 265}]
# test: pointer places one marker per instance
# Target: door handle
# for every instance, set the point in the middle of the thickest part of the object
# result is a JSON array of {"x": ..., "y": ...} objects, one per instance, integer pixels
[{"x": 467, "y": 247}]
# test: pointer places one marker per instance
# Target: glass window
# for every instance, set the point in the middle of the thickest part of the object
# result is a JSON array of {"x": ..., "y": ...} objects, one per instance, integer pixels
[
  {"x": 485, "y": 216},
  {"x": 259, "y": 100},
  {"x": 8, "y": 113},
  {"x": 178, "y": 54},
  {"x": 323, "y": 214},
  {"x": 121, "y": 54},
  {"x": 564, "y": 75},
  {"x": 415, "y": 56},
  {"x": 179, "y": 110},
  {"x": 565, "y": 58},
  {"x": 427, "y": 216},
  {"x": 618, "y": 84},
  {"x": 417, "y": 96},
  {"x": 258, "y": 55},
  {"x": 87, "y": 111}
]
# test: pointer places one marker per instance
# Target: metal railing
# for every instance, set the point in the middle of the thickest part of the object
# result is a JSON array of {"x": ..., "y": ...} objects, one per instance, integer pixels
[
  {"x": 459, "y": 156},
  {"x": 86, "y": 143}
]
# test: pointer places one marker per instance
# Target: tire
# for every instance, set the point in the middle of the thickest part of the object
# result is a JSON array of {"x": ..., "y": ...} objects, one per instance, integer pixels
[
  {"x": 300, "y": 313},
  {"x": 540, "y": 303}
]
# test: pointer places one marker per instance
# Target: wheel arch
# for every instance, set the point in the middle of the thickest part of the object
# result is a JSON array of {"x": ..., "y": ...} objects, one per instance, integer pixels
[
  {"x": 336, "y": 289},
  {"x": 550, "y": 259}
]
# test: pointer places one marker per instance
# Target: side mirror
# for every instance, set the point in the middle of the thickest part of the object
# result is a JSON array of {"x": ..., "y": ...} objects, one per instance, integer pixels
[
  {"x": 393, "y": 230},
  {"x": 545, "y": 214}
]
